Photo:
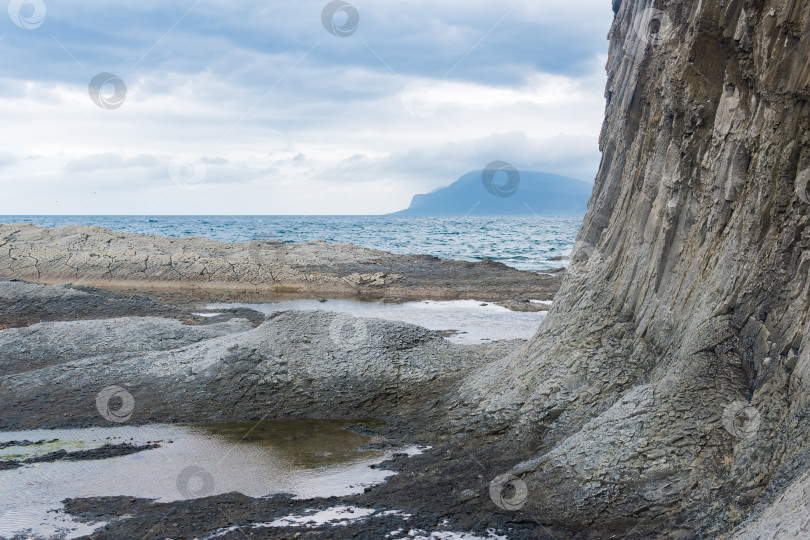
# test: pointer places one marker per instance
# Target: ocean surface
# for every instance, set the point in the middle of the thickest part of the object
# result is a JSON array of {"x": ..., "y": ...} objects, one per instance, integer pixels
[{"x": 524, "y": 242}]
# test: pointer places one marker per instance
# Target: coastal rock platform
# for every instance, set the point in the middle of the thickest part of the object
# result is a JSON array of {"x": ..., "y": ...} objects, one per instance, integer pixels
[{"x": 179, "y": 270}]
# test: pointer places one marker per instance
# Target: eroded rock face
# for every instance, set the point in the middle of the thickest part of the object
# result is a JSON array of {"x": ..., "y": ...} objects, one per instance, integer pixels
[{"x": 671, "y": 380}]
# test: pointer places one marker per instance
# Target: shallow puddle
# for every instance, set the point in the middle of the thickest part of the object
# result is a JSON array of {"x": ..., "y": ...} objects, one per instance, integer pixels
[
  {"x": 305, "y": 458},
  {"x": 474, "y": 322}
]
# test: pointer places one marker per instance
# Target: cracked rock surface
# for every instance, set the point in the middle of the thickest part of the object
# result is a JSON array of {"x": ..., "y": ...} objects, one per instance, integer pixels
[{"x": 250, "y": 271}]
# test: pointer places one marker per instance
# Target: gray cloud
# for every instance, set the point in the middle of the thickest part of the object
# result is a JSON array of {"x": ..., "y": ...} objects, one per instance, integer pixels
[
  {"x": 273, "y": 104},
  {"x": 7, "y": 159},
  {"x": 108, "y": 162}
]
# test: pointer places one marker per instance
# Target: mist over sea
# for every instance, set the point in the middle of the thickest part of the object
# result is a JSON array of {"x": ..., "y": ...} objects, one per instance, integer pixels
[{"x": 523, "y": 242}]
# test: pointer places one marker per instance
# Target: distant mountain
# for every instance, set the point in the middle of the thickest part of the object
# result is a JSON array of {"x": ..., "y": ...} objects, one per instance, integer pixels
[{"x": 504, "y": 192}]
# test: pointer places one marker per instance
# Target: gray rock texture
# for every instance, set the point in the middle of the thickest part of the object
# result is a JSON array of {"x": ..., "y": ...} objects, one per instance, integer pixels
[
  {"x": 251, "y": 271},
  {"x": 295, "y": 364},
  {"x": 22, "y": 304},
  {"x": 670, "y": 382},
  {"x": 45, "y": 344}
]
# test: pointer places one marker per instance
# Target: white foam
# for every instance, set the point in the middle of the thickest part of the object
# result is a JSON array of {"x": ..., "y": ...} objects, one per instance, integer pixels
[
  {"x": 338, "y": 515},
  {"x": 419, "y": 534}
]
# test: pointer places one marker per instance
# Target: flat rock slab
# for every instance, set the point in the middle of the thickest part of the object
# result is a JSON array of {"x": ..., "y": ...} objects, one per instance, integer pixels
[
  {"x": 200, "y": 268},
  {"x": 23, "y": 304}
]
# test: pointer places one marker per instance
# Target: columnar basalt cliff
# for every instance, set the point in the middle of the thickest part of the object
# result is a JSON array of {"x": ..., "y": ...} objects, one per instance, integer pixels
[{"x": 671, "y": 380}]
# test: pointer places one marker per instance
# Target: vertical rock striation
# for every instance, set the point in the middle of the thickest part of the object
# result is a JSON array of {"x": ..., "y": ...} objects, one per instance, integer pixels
[{"x": 671, "y": 381}]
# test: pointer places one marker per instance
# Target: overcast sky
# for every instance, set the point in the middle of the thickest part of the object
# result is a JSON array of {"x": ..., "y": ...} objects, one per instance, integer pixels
[{"x": 281, "y": 107}]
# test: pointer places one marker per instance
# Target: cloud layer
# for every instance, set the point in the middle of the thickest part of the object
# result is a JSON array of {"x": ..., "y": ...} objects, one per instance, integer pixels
[{"x": 256, "y": 108}]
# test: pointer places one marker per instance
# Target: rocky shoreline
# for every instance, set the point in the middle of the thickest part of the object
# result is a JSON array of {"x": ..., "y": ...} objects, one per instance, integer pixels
[
  {"x": 666, "y": 394},
  {"x": 243, "y": 366},
  {"x": 189, "y": 271}
]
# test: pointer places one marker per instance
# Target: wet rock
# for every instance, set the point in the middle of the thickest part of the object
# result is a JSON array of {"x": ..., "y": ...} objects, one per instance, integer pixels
[{"x": 106, "y": 451}]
